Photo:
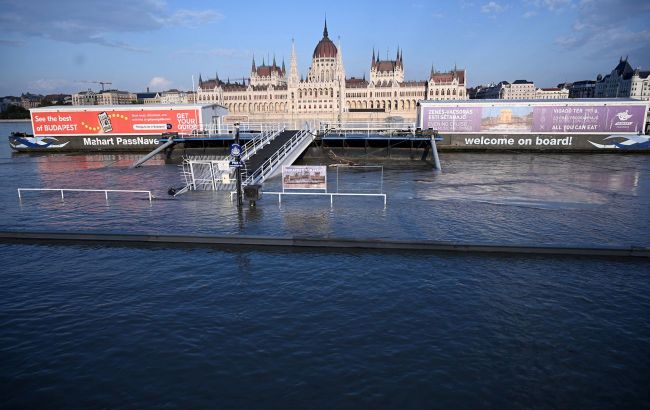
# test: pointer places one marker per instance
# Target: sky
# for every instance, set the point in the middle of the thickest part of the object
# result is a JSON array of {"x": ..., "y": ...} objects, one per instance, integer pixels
[{"x": 63, "y": 46}]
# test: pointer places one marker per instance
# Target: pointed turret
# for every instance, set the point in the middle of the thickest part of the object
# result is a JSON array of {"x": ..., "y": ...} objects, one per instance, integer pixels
[
  {"x": 200, "y": 80},
  {"x": 325, "y": 29},
  {"x": 253, "y": 68},
  {"x": 274, "y": 65},
  {"x": 373, "y": 57},
  {"x": 339, "y": 58},
  {"x": 293, "y": 73},
  {"x": 283, "y": 69}
]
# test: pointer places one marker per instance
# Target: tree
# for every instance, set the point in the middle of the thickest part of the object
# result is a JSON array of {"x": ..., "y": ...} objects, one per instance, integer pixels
[{"x": 14, "y": 112}]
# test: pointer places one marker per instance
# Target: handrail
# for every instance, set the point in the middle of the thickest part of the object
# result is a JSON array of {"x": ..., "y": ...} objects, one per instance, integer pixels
[
  {"x": 252, "y": 146},
  {"x": 270, "y": 164},
  {"x": 105, "y": 191},
  {"x": 367, "y": 125},
  {"x": 219, "y": 129},
  {"x": 211, "y": 129}
]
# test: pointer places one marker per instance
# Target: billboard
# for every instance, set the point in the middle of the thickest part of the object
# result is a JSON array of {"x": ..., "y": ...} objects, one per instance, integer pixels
[
  {"x": 107, "y": 122},
  {"x": 304, "y": 177},
  {"x": 549, "y": 119}
]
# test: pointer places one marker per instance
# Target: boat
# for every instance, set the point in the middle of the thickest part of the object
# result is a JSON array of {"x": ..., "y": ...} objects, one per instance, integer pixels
[{"x": 118, "y": 128}]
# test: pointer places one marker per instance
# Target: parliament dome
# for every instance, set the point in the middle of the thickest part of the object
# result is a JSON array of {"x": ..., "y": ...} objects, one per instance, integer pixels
[{"x": 325, "y": 48}]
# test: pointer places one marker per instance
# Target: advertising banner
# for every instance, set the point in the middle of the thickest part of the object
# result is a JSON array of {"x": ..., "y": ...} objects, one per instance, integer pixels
[
  {"x": 515, "y": 119},
  {"x": 121, "y": 122},
  {"x": 304, "y": 177}
]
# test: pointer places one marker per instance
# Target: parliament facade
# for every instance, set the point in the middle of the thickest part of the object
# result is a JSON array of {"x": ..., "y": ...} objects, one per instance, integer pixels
[{"x": 273, "y": 94}]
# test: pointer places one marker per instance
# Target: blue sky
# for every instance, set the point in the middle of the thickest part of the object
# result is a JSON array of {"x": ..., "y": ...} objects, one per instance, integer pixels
[{"x": 51, "y": 46}]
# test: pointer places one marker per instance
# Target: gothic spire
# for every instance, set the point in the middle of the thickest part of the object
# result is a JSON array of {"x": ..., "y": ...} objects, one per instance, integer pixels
[
  {"x": 293, "y": 74},
  {"x": 253, "y": 68},
  {"x": 325, "y": 29},
  {"x": 373, "y": 56}
]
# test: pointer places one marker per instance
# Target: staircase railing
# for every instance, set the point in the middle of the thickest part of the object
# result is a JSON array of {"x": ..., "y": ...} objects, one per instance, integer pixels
[
  {"x": 244, "y": 127},
  {"x": 271, "y": 164},
  {"x": 257, "y": 143}
]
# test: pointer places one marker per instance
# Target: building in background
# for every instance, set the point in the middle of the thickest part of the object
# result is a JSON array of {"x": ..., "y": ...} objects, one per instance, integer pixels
[
  {"x": 518, "y": 90},
  {"x": 56, "y": 99},
  {"x": 273, "y": 93},
  {"x": 84, "y": 98},
  {"x": 582, "y": 89},
  {"x": 624, "y": 81},
  {"x": 147, "y": 98},
  {"x": 554, "y": 93},
  {"x": 104, "y": 97},
  {"x": 115, "y": 97},
  {"x": 29, "y": 100},
  {"x": 174, "y": 96}
]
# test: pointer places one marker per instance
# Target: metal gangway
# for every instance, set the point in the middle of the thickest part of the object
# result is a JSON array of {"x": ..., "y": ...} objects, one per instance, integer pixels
[
  {"x": 215, "y": 172},
  {"x": 287, "y": 154},
  {"x": 258, "y": 132}
]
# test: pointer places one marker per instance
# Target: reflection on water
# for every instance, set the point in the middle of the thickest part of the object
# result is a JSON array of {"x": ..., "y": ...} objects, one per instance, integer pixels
[
  {"x": 500, "y": 197},
  {"x": 311, "y": 216}
]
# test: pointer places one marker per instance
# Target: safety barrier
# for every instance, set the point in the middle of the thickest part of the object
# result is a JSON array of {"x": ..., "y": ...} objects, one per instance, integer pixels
[{"x": 105, "y": 191}]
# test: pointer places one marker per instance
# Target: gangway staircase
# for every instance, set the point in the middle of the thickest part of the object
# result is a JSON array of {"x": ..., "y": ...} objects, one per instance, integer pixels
[
  {"x": 283, "y": 150},
  {"x": 262, "y": 158}
]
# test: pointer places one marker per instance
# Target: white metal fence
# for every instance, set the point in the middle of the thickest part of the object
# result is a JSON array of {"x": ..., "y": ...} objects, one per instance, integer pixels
[{"x": 105, "y": 191}]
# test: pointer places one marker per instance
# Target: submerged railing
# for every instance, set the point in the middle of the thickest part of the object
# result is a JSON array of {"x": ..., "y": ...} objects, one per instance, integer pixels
[{"x": 105, "y": 191}]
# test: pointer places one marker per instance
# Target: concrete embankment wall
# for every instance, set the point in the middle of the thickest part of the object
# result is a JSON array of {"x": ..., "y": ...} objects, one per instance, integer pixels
[{"x": 320, "y": 244}]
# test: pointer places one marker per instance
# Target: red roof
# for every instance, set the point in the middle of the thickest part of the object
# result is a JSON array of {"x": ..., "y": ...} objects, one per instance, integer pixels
[
  {"x": 388, "y": 65},
  {"x": 355, "y": 83},
  {"x": 266, "y": 70},
  {"x": 448, "y": 78}
]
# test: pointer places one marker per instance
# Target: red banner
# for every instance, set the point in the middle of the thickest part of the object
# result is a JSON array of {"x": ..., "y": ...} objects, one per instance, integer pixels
[{"x": 121, "y": 122}]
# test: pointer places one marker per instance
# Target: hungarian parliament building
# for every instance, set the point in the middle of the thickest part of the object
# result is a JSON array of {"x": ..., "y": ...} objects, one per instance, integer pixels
[{"x": 272, "y": 94}]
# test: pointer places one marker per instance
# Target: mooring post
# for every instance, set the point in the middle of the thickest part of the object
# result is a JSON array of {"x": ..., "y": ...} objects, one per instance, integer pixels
[
  {"x": 434, "y": 150},
  {"x": 240, "y": 197}
]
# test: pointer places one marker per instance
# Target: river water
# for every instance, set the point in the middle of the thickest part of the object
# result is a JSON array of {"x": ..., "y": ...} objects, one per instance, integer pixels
[{"x": 132, "y": 327}]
